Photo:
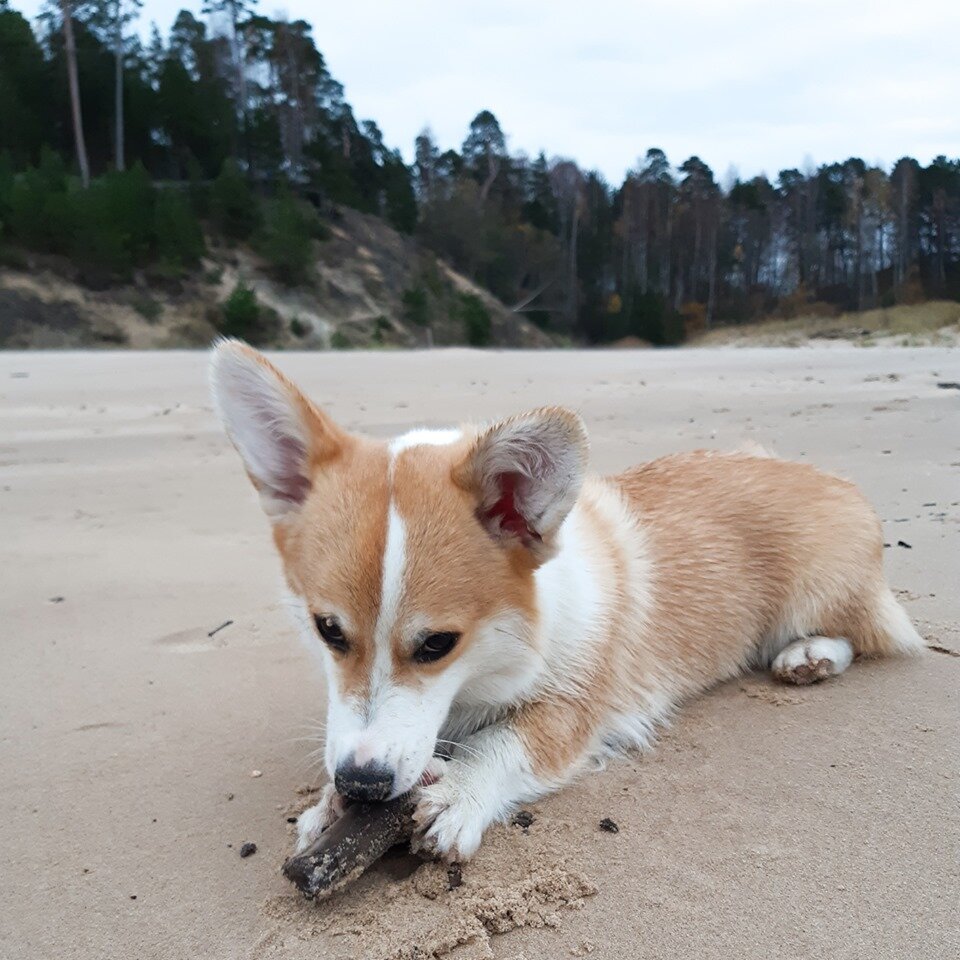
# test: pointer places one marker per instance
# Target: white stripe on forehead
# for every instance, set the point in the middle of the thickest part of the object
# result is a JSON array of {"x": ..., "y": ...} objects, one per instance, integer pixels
[
  {"x": 391, "y": 591},
  {"x": 423, "y": 438},
  {"x": 395, "y": 561}
]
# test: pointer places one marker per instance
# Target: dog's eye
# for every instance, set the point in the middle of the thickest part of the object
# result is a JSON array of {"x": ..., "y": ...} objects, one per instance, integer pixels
[
  {"x": 435, "y": 646},
  {"x": 331, "y": 631}
]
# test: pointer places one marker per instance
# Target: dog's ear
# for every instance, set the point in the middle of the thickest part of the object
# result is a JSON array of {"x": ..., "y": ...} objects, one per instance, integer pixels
[
  {"x": 525, "y": 474},
  {"x": 280, "y": 435}
]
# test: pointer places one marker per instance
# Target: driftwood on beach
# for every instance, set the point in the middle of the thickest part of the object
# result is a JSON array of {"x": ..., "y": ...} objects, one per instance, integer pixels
[{"x": 364, "y": 833}]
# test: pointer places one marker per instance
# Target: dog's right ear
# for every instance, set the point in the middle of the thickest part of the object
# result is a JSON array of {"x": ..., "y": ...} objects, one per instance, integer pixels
[
  {"x": 525, "y": 474},
  {"x": 280, "y": 435}
]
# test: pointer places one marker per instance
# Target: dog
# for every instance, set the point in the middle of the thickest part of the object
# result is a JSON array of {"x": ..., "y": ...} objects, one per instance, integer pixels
[{"x": 493, "y": 620}]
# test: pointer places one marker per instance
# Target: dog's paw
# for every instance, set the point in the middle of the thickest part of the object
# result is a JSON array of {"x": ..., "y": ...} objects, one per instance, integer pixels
[
  {"x": 815, "y": 658},
  {"x": 313, "y": 821},
  {"x": 446, "y": 824}
]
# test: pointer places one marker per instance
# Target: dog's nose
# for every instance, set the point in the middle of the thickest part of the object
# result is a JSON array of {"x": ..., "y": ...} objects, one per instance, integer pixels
[{"x": 371, "y": 781}]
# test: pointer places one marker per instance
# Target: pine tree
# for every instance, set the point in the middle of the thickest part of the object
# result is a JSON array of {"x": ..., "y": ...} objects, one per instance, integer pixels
[{"x": 76, "y": 108}]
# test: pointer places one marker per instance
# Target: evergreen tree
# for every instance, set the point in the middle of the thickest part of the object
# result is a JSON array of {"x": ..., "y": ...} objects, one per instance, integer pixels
[
  {"x": 232, "y": 203},
  {"x": 112, "y": 19},
  {"x": 24, "y": 78},
  {"x": 229, "y": 113}
]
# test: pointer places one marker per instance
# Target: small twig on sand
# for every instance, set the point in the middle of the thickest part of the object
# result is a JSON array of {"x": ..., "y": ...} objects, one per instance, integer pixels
[
  {"x": 226, "y": 623},
  {"x": 937, "y": 648}
]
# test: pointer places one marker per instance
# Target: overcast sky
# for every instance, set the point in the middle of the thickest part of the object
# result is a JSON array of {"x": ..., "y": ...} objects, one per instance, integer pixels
[{"x": 755, "y": 84}]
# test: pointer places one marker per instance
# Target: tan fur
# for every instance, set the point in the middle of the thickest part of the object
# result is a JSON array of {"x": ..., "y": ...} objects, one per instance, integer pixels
[
  {"x": 332, "y": 549},
  {"x": 743, "y": 544},
  {"x": 332, "y": 552},
  {"x": 454, "y": 578},
  {"x": 739, "y": 546},
  {"x": 735, "y": 541}
]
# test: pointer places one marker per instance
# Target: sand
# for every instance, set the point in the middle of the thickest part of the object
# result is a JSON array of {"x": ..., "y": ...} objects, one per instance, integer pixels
[{"x": 769, "y": 822}]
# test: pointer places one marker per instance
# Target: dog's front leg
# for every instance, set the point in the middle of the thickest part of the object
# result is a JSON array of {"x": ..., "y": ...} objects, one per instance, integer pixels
[
  {"x": 495, "y": 770},
  {"x": 314, "y": 820}
]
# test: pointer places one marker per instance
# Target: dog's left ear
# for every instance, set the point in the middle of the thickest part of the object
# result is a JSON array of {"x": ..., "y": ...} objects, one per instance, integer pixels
[
  {"x": 280, "y": 435},
  {"x": 526, "y": 474}
]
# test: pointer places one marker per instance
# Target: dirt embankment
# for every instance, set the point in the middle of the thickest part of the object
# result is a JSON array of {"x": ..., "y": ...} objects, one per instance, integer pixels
[{"x": 370, "y": 286}]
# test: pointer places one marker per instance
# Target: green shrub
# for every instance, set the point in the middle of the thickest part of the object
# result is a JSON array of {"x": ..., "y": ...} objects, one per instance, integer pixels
[
  {"x": 232, "y": 204},
  {"x": 240, "y": 313},
  {"x": 298, "y": 328},
  {"x": 113, "y": 223},
  {"x": 27, "y": 219},
  {"x": 381, "y": 326},
  {"x": 416, "y": 308},
  {"x": 148, "y": 308},
  {"x": 431, "y": 277},
  {"x": 286, "y": 240},
  {"x": 40, "y": 211},
  {"x": 476, "y": 320},
  {"x": 179, "y": 240},
  {"x": 130, "y": 200},
  {"x": 98, "y": 244}
]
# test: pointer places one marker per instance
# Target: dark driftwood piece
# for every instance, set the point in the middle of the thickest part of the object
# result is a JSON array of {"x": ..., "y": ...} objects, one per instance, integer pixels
[{"x": 364, "y": 833}]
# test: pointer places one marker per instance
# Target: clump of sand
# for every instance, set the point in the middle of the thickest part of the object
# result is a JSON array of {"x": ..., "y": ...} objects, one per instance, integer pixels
[
  {"x": 404, "y": 909},
  {"x": 493, "y": 907}
]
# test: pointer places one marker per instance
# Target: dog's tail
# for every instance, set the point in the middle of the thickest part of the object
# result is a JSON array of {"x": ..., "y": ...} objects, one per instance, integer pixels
[{"x": 888, "y": 630}]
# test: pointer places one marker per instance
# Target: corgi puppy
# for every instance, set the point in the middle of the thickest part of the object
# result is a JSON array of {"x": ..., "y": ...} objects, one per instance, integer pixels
[{"x": 493, "y": 620}]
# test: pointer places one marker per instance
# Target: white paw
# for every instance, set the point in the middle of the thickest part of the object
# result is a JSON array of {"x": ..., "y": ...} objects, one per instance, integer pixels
[
  {"x": 812, "y": 659},
  {"x": 446, "y": 823},
  {"x": 312, "y": 822}
]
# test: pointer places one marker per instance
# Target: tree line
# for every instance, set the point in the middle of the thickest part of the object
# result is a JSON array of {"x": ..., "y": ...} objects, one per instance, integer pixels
[{"x": 233, "y": 126}]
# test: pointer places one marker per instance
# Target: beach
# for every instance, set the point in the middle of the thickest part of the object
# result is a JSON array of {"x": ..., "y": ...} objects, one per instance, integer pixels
[{"x": 158, "y": 709}]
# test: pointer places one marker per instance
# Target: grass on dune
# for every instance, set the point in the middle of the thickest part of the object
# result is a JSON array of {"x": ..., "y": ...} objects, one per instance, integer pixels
[{"x": 913, "y": 323}]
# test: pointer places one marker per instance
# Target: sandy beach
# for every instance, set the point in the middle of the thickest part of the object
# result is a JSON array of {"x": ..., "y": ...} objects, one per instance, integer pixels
[{"x": 150, "y": 670}]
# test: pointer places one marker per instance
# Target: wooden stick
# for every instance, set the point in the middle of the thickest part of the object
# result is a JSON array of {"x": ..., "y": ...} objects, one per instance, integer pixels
[{"x": 364, "y": 833}]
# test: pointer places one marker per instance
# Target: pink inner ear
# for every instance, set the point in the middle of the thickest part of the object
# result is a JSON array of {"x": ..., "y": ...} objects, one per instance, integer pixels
[
  {"x": 505, "y": 516},
  {"x": 292, "y": 485}
]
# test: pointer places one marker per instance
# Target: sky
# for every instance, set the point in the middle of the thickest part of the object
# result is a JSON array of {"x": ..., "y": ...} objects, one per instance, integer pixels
[{"x": 750, "y": 86}]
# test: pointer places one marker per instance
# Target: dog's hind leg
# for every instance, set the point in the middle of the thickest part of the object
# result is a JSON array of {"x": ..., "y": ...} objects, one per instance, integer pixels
[{"x": 811, "y": 659}]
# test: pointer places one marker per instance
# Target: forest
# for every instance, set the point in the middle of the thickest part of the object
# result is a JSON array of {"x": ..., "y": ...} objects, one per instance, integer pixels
[{"x": 119, "y": 154}]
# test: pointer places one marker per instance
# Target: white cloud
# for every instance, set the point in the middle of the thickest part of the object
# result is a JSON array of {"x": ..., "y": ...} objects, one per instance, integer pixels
[{"x": 751, "y": 83}]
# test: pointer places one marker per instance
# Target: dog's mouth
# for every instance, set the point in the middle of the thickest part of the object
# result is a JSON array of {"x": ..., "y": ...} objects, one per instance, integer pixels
[{"x": 426, "y": 778}]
